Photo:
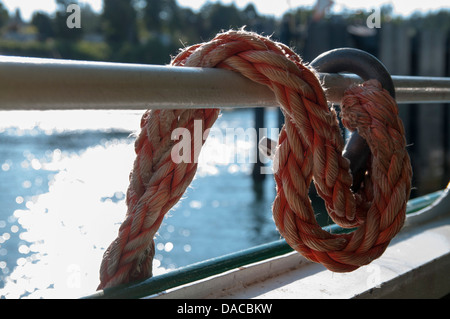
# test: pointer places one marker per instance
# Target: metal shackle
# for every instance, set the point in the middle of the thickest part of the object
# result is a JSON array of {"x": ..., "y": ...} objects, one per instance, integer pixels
[{"x": 366, "y": 66}]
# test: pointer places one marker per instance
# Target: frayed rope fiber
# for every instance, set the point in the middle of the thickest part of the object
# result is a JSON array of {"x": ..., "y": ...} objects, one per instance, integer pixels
[{"x": 309, "y": 149}]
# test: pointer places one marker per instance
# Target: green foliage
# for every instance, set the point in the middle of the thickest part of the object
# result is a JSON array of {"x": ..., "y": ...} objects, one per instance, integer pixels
[
  {"x": 33, "y": 49},
  {"x": 83, "y": 50},
  {"x": 218, "y": 17},
  {"x": 119, "y": 22},
  {"x": 151, "y": 31},
  {"x": 4, "y": 17},
  {"x": 44, "y": 25},
  {"x": 439, "y": 20}
]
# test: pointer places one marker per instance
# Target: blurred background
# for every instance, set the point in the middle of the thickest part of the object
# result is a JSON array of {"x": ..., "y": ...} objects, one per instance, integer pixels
[{"x": 64, "y": 174}]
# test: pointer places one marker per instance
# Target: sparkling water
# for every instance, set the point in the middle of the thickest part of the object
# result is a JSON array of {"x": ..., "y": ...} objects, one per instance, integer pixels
[{"x": 63, "y": 179}]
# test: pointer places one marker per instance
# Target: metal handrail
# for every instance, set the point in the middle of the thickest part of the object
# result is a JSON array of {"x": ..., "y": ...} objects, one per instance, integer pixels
[{"x": 48, "y": 84}]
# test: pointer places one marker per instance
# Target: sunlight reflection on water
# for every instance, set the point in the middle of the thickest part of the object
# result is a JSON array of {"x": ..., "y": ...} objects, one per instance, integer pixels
[{"x": 67, "y": 201}]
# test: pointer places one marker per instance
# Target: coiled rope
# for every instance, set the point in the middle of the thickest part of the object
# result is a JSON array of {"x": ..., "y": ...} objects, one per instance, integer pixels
[{"x": 309, "y": 149}]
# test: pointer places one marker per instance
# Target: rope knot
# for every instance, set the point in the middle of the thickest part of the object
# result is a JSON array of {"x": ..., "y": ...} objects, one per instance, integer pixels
[{"x": 309, "y": 150}]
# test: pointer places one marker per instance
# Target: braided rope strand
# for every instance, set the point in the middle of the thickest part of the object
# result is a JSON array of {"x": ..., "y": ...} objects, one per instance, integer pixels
[{"x": 309, "y": 149}]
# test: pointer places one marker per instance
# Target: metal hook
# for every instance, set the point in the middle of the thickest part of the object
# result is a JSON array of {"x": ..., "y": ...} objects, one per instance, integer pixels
[{"x": 368, "y": 67}]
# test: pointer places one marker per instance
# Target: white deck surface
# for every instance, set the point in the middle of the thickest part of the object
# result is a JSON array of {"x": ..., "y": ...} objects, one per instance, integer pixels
[{"x": 415, "y": 265}]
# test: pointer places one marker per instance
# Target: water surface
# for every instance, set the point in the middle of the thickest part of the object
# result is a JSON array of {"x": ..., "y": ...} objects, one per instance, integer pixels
[{"x": 63, "y": 179}]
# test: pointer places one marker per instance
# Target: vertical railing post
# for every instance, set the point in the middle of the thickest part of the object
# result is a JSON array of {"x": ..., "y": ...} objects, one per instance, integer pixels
[
  {"x": 430, "y": 117},
  {"x": 259, "y": 114}
]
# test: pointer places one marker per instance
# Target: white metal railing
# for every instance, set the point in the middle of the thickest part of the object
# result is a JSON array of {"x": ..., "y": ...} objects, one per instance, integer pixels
[{"x": 44, "y": 84}]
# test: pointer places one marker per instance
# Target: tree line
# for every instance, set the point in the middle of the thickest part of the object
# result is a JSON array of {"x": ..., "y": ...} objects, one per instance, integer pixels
[{"x": 151, "y": 31}]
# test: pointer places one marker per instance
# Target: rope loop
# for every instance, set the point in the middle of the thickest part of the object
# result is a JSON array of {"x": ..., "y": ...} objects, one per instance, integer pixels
[{"x": 309, "y": 149}]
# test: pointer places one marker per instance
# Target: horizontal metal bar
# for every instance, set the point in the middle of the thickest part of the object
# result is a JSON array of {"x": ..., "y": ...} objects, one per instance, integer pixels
[
  {"x": 408, "y": 89},
  {"x": 218, "y": 265},
  {"x": 48, "y": 84}
]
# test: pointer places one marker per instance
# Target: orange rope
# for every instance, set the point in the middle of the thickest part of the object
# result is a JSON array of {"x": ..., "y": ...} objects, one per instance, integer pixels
[{"x": 310, "y": 148}]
